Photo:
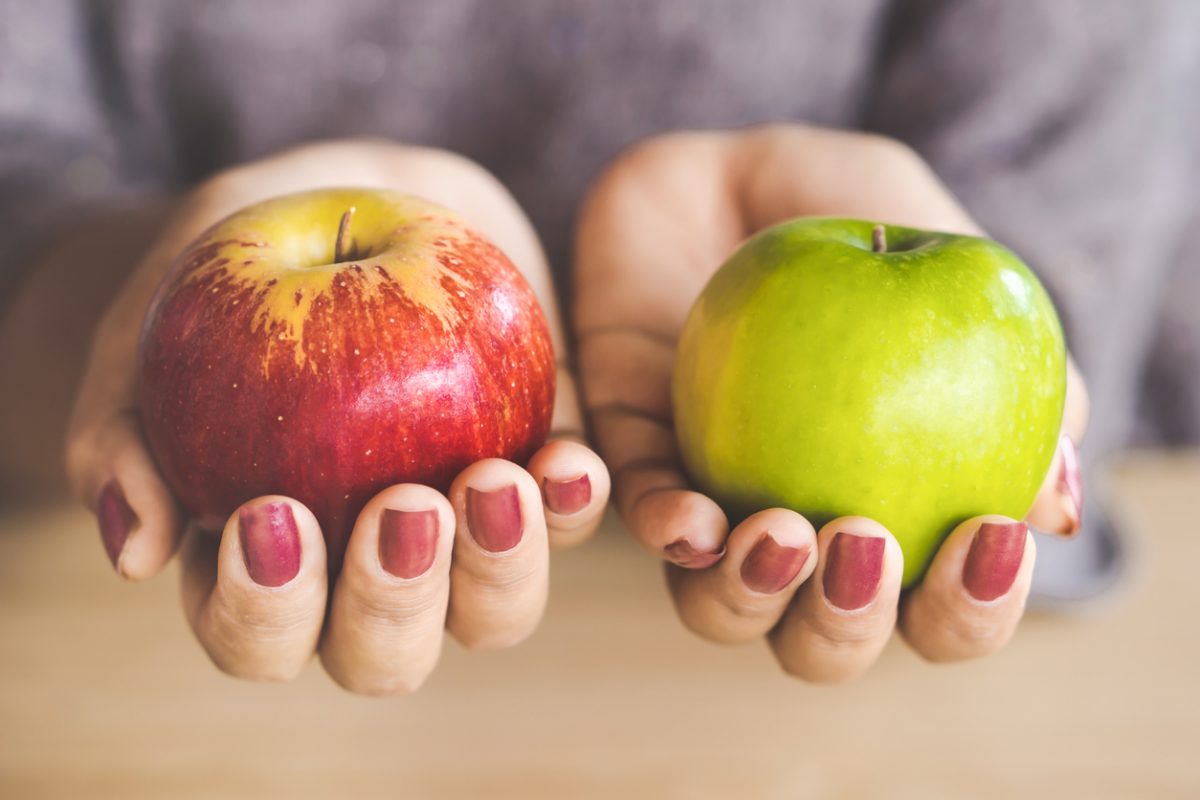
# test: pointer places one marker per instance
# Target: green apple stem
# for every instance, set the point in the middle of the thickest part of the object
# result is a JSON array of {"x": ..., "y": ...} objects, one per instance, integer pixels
[
  {"x": 340, "y": 253},
  {"x": 879, "y": 239}
]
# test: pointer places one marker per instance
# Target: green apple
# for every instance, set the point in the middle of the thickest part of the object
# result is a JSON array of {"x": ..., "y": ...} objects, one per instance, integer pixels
[{"x": 840, "y": 367}]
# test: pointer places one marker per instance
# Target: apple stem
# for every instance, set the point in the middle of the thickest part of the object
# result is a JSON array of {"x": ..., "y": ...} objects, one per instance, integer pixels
[
  {"x": 879, "y": 239},
  {"x": 339, "y": 246}
]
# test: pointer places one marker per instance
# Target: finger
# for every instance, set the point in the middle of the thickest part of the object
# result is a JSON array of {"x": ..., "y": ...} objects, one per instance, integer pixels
[
  {"x": 256, "y": 598},
  {"x": 1058, "y": 507},
  {"x": 842, "y": 618},
  {"x": 626, "y": 367},
  {"x": 574, "y": 481},
  {"x": 673, "y": 522},
  {"x": 631, "y": 298},
  {"x": 741, "y": 598},
  {"x": 566, "y": 421},
  {"x": 384, "y": 633},
  {"x": 113, "y": 474},
  {"x": 575, "y": 487},
  {"x": 660, "y": 510},
  {"x": 500, "y": 573},
  {"x": 973, "y": 595}
]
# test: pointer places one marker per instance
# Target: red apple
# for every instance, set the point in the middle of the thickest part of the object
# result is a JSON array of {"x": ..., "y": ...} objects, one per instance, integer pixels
[{"x": 328, "y": 344}]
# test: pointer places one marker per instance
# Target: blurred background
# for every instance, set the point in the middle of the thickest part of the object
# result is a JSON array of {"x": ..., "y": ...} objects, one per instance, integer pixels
[{"x": 1069, "y": 130}]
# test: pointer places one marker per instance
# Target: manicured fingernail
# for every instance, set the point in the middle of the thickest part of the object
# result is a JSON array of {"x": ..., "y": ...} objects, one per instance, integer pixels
[
  {"x": 682, "y": 552},
  {"x": 853, "y": 570},
  {"x": 994, "y": 559},
  {"x": 1070, "y": 484},
  {"x": 494, "y": 518},
  {"x": 116, "y": 520},
  {"x": 270, "y": 542},
  {"x": 407, "y": 541},
  {"x": 567, "y": 497},
  {"x": 770, "y": 566}
]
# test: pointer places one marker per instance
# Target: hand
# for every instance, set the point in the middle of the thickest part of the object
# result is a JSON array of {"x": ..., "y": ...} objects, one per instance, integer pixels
[
  {"x": 381, "y": 634},
  {"x": 656, "y": 225}
]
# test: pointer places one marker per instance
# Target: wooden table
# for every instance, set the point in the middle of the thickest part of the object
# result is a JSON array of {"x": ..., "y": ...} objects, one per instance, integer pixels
[{"x": 103, "y": 693}]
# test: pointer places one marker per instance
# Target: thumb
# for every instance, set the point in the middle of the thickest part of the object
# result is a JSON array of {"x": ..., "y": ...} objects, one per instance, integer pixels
[
  {"x": 1059, "y": 504},
  {"x": 108, "y": 465},
  {"x": 112, "y": 473}
]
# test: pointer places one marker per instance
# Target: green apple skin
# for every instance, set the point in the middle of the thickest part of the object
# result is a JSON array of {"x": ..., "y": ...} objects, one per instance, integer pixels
[{"x": 918, "y": 386}]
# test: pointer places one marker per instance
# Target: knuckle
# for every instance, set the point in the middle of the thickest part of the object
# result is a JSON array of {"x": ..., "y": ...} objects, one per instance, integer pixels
[
  {"x": 496, "y": 578},
  {"x": 383, "y": 611},
  {"x": 752, "y": 611},
  {"x": 847, "y": 633},
  {"x": 963, "y": 639},
  {"x": 243, "y": 623},
  {"x": 944, "y": 632},
  {"x": 729, "y": 631},
  {"x": 710, "y": 613}
]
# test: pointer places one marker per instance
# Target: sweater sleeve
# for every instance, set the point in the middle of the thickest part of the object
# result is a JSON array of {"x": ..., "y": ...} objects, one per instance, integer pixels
[{"x": 1070, "y": 130}]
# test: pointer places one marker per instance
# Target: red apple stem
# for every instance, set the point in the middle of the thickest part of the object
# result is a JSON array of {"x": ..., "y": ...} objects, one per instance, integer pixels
[
  {"x": 340, "y": 253},
  {"x": 879, "y": 239}
]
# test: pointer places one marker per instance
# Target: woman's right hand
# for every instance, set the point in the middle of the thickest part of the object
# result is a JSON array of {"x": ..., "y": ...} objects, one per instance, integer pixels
[{"x": 256, "y": 594}]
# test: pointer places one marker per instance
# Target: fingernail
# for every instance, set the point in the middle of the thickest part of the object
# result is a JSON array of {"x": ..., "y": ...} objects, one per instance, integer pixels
[
  {"x": 853, "y": 570},
  {"x": 1070, "y": 484},
  {"x": 994, "y": 558},
  {"x": 407, "y": 541},
  {"x": 270, "y": 542},
  {"x": 770, "y": 566},
  {"x": 116, "y": 520},
  {"x": 494, "y": 518},
  {"x": 682, "y": 552},
  {"x": 567, "y": 497}
]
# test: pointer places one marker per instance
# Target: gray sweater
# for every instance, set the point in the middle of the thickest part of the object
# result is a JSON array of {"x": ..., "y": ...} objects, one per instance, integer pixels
[{"x": 1070, "y": 129}]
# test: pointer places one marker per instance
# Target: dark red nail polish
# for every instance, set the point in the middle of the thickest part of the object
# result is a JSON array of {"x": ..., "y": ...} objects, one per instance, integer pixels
[
  {"x": 270, "y": 542},
  {"x": 994, "y": 559},
  {"x": 853, "y": 569},
  {"x": 407, "y": 541},
  {"x": 116, "y": 520},
  {"x": 682, "y": 552},
  {"x": 494, "y": 518},
  {"x": 1070, "y": 482},
  {"x": 567, "y": 497},
  {"x": 770, "y": 566}
]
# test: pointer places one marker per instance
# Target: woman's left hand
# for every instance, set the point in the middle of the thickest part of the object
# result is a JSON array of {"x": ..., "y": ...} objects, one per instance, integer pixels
[{"x": 658, "y": 223}]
